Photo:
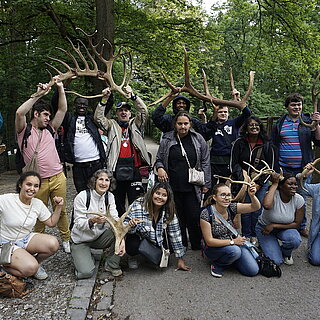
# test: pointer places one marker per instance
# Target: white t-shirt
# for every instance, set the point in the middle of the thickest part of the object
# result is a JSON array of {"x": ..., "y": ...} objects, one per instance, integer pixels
[
  {"x": 281, "y": 212},
  {"x": 85, "y": 148},
  {"x": 13, "y": 215}
]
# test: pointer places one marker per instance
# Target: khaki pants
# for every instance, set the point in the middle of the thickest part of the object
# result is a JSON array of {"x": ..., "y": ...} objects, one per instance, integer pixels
[
  {"x": 50, "y": 188},
  {"x": 83, "y": 260}
]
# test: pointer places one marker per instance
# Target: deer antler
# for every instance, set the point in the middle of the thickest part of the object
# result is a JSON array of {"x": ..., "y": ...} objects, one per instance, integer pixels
[
  {"x": 188, "y": 87},
  {"x": 305, "y": 171},
  {"x": 314, "y": 95},
  {"x": 90, "y": 65},
  {"x": 119, "y": 229},
  {"x": 265, "y": 170}
]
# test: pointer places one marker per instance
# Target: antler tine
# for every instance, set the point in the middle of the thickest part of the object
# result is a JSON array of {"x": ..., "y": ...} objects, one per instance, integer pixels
[
  {"x": 205, "y": 83},
  {"x": 249, "y": 90},
  {"x": 231, "y": 80},
  {"x": 304, "y": 171},
  {"x": 232, "y": 181}
]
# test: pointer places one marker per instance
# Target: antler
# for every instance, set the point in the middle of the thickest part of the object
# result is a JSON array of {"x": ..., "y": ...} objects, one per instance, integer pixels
[
  {"x": 314, "y": 95},
  {"x": 304, "y": 172},
  {"x": 91, "y": 68},
  {"x": 119, "y": 229},
  {"x": 188, "y": 87},
  {"x": 247, "y": 180}
]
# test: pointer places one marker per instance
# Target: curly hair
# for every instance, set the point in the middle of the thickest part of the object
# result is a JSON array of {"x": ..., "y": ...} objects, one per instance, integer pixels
[
  {"x": 92, "y": 181},
  {"x": 244, "y": 128}
]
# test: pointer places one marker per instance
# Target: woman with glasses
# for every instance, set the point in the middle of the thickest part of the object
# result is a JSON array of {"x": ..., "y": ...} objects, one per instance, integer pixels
[
  {"x": 252, "y": 147},
  {"x": 223, "y": 248},
  {"x": 283, "y": 210}
]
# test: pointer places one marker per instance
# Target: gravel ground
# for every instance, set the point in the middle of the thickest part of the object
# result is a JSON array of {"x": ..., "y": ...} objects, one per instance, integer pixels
[{"x": 48, "y": 298}]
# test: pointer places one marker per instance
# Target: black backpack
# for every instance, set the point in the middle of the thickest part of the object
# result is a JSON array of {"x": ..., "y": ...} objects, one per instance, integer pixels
[
  {"x": 19, "y": 157},
  {"x": 106, "y": 201}
]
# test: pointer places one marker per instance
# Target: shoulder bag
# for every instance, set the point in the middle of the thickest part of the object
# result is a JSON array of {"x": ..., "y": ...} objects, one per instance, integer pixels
[
  {"x": 32, "y": 165},
  {"x": 195, "y": 176}
]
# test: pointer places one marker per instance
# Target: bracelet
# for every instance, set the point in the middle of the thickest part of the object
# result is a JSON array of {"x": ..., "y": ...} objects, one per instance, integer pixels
[{"x": 103, "y": 101}]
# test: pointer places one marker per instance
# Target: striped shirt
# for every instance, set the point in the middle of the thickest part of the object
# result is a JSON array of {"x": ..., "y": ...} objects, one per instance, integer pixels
[
  {"x": 290, "y": 154},
  {"x": 146, "y": 229}
]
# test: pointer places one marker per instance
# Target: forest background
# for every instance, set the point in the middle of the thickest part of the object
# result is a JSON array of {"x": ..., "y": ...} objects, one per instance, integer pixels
[{"x": 278, "y": 39}]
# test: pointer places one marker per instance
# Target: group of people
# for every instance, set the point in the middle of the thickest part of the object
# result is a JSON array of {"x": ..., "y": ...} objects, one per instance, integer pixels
[{"x": 109, "y": 159}]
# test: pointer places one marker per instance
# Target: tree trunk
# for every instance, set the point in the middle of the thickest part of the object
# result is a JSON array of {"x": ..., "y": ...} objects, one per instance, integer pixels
[{"x": 105, "y": 30}]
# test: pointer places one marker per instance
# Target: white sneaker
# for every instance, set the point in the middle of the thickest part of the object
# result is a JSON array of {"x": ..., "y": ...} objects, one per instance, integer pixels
[
  {"x": 41, "y": 274},
  {"x": 66, "y": 246},
  {"x": 132, "y": 262},
  {"x": 288, "y": 261}
]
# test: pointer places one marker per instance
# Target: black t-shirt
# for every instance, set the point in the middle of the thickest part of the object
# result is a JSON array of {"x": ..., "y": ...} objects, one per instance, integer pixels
[{"x": 178, "y": 166}]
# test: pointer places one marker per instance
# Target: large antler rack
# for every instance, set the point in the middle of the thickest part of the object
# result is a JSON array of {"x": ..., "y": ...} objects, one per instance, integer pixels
[
  {"x": 314, "y": 96},
  {"x": 90, "y": 68},
  {"x": 247, "y": 182},
  {"x": 117, "y": 225},
  {"x": 188, "y": 87}
]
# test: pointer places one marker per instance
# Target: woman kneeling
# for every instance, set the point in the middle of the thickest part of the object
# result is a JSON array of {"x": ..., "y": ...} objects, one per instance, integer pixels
[
  {"x": 93, "y": 231},
  {"x": 156, "y": 211},
  {"x": 283, "y": 211},
  {"x": 222, "y": 247},
  {"x": 18, "y": 215}
]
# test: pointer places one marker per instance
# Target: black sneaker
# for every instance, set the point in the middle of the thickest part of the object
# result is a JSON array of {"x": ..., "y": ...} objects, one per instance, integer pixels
[{"x": 216, "y": 271}]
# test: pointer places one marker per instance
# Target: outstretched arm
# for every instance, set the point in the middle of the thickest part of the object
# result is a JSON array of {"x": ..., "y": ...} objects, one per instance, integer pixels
[
  {"x": 20, "y": 120},
  {"x": 62, "y": 104}
]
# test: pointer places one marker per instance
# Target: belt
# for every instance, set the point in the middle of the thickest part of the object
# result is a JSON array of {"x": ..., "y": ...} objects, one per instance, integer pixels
[{"x": 88, "y": 163}]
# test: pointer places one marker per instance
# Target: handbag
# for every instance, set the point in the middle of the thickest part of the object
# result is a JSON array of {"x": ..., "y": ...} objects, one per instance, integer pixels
[
  {"x": 152, "y": 252},
  {"x": 6, "y": 252},
  {"x": 267, "y": 267},
  {"x": 155, "y": 254},
  {"x": 195, "y": 176},
  {"x": 125, "y": 169},
  {"x": 32, "y": 165},
  {"x": 11, "y": 286}
]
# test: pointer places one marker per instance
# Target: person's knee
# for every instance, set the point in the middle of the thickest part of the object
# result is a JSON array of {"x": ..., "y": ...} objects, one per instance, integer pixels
[
  {"x": 233, "y": 253},
  {"x": 29, "y": 268},
  {"x": 52, "y": 245},
  {"x": 251, "y": 271},
  {"x": 84, "y": 274},
  {"x": 294, "y": 240},
  {"x": 314, "y": 259}
]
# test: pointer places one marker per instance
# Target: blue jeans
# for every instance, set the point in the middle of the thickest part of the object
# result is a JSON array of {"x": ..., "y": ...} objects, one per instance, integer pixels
[
  {"x": 314, "y": 252},
  {"x": 302, "y": 192},
  {"x": 249, "y": 220},
  {"x": 271, "y": 247},
  {"x": 239, "y": 256}
]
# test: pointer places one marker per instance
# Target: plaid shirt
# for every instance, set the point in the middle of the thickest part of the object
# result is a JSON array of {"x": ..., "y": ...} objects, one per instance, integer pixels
[{"x": 146, "y": 229}]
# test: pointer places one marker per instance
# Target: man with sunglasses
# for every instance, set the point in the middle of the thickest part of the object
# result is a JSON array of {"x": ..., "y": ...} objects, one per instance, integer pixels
[
  {"x": 126, "y": 150},
  {"x": 293, "y": 141}
]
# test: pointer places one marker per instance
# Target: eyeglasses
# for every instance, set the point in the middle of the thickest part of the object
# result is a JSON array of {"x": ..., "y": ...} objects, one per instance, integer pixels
[
  {"x": 225, "y": 195},
  {"x": 253, "y": 125}
]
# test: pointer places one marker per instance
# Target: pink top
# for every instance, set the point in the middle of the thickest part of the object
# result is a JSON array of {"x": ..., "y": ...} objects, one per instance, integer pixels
[{"x": 48, "y": 158}]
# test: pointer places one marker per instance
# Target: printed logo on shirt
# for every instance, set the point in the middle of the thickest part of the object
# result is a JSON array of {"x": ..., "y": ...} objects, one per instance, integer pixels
[
  {"x": 227, "y": 129},
  {"x": 80, "y": 126}
]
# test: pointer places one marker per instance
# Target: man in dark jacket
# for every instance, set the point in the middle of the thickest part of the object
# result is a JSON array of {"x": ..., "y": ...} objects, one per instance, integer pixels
[
  {"x": 163, "y": 120},
  {"x": 293, "y": 140},
  {"x": 83, "y": 147}
]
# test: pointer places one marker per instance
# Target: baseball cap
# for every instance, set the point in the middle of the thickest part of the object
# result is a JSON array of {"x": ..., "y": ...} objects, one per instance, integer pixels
[{"x": 123, "y": 105}]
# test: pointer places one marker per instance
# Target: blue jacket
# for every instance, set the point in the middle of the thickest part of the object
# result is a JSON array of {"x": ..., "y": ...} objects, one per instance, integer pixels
[
  {"x": 223, "y": 134},
  {"x": 306, "y": 136}
]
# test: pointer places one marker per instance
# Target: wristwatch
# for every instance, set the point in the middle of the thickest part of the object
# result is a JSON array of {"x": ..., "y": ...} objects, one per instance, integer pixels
[{"x": 231, "y": 242}]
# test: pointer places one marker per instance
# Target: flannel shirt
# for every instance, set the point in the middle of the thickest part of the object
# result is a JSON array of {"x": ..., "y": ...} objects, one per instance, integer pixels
[{"x": 155, "y": 235}]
